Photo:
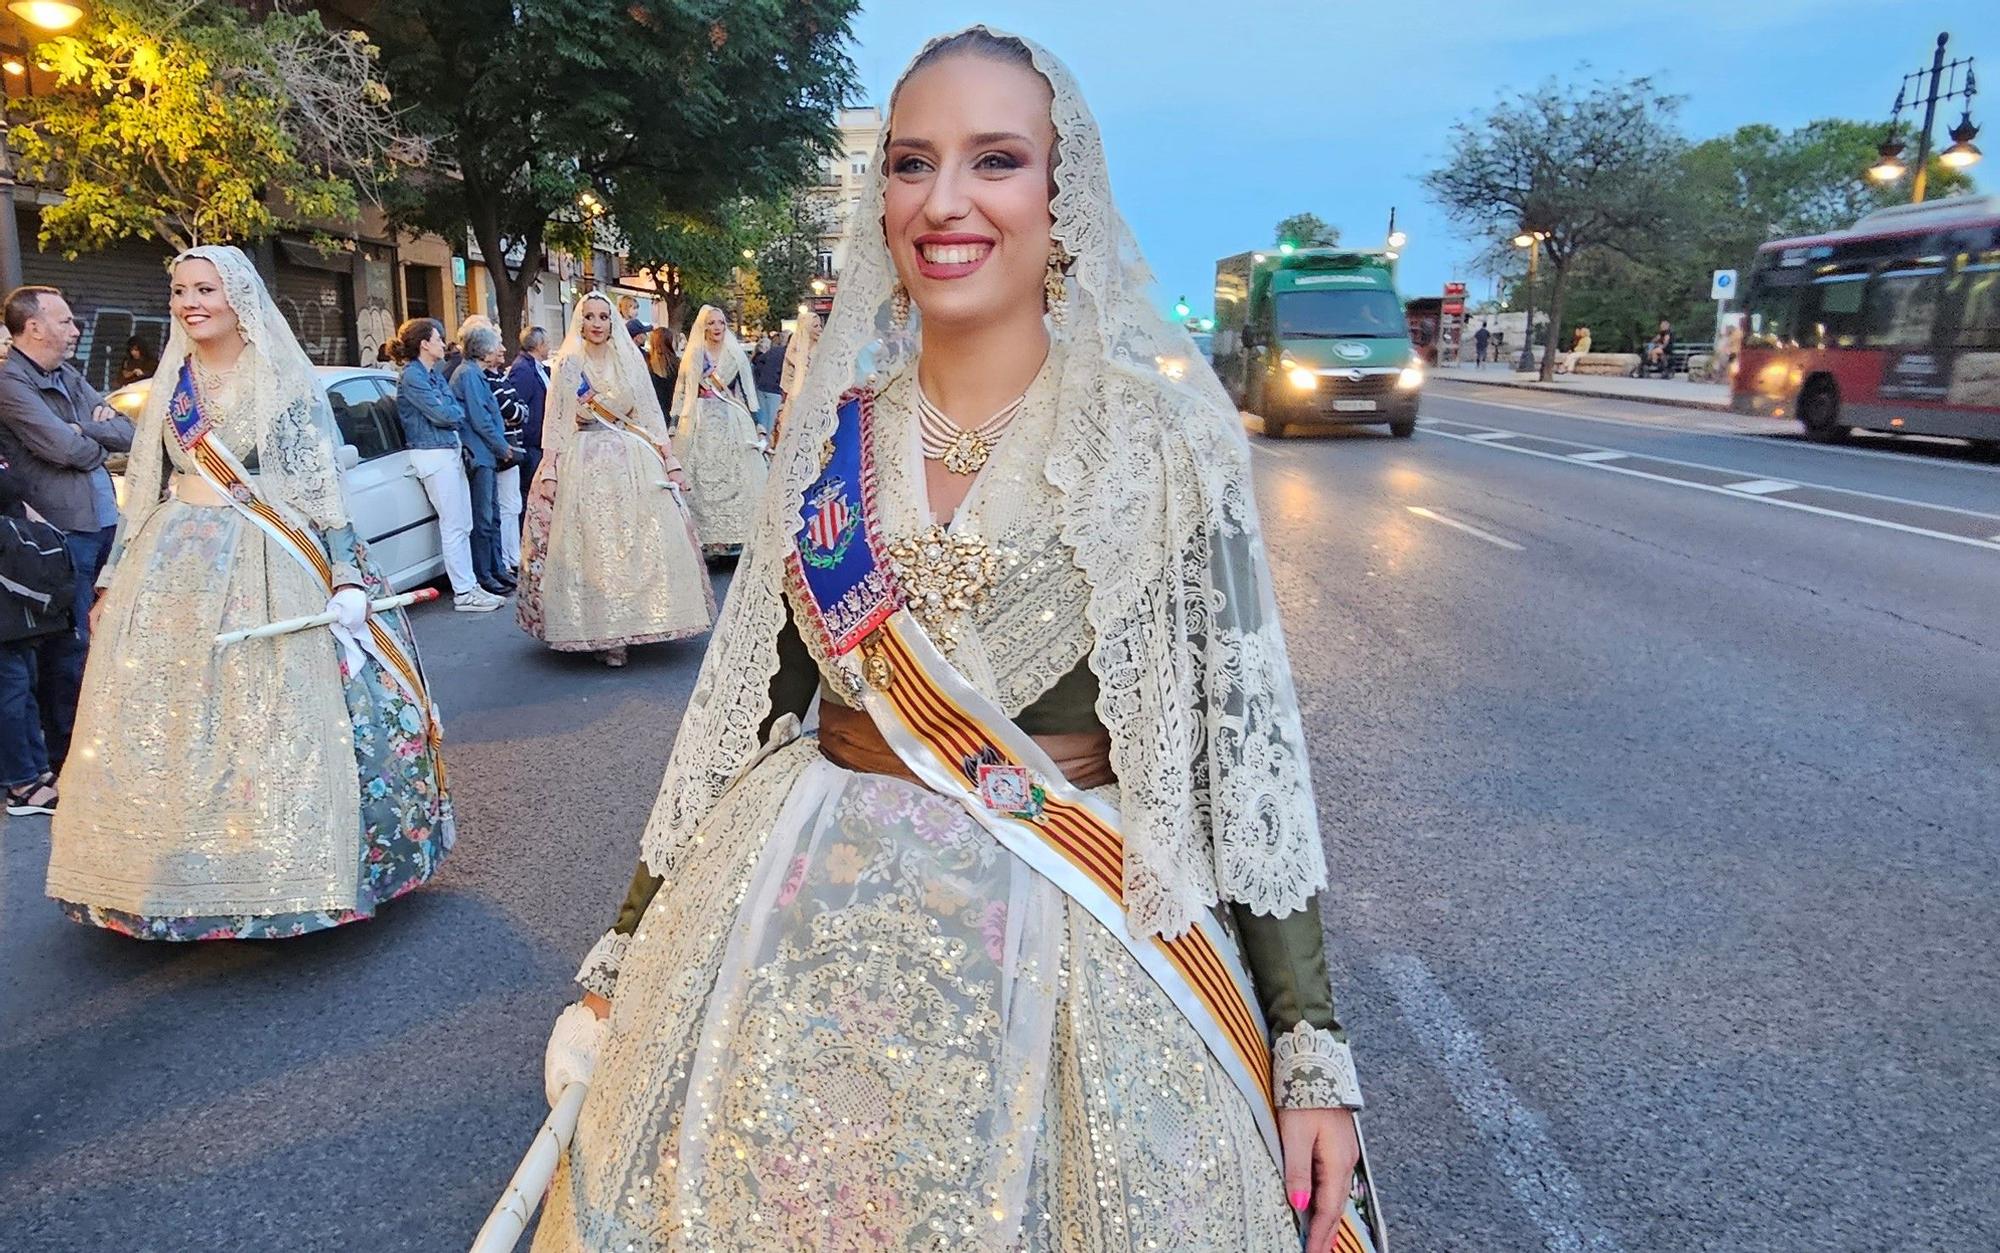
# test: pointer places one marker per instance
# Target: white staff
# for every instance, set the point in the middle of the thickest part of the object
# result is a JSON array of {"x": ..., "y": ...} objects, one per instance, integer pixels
[
  {"x": 532, "y": 1177},
  {"x": 307, "y": 623}
]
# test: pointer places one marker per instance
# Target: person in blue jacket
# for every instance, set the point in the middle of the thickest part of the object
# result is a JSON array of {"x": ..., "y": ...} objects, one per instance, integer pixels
[
  {"x": 431, "y": 418},
  {"x": 530, "y": 375},
  {"x": 486, "y": 452}
]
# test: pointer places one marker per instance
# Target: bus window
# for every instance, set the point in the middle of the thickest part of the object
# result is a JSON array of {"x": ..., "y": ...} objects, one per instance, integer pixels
[
  {"x": 1979, "y": 323},
  {"x": 1902, "y": 308},
  {"x": 1773, "y": 311},
  {"x": 1837, "y": 319}
]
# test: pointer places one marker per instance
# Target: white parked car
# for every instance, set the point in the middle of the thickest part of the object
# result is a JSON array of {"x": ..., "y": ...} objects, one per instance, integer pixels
[{"x": 390, "y": 512}]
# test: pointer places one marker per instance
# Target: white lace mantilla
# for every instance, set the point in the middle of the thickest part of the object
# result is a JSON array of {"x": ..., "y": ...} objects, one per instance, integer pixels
[
  {"x": 1314, "y": 1070},
  {"x": 1150, "y": 497}
]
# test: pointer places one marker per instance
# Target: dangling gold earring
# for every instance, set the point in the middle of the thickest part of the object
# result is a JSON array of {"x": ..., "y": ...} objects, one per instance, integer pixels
[
  {"x": 899, "y": 309},
  {"x": 1055, "y": 287}
]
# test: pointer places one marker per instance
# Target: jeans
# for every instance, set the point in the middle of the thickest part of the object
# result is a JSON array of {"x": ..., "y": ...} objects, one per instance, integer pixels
[
  {"x": 443, "y": 476},
  {"x": 24, "y": 753},
  {"x": 507, "y": 486},
  {"x": 767, "y": 409},
  {"x": 485, "y": 525},
  {"x": 61, "y": 657}
]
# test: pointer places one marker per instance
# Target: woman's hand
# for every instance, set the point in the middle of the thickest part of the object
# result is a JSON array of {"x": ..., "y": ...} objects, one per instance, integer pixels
[
  {"x": 597, "y": 1004},
  {"x": 1321, "y": 1149},
  {"x": 350, "y": 607},
  {"x": 678, "y": 477},
  {"x": 573, "y": 1048}
]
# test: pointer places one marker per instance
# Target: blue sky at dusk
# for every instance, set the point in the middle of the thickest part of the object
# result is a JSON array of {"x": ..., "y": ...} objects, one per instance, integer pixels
[{"x": 1222, "y": 117}]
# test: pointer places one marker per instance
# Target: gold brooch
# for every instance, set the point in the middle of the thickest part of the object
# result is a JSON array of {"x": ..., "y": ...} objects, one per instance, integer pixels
[{"x": 944, "y": 575}]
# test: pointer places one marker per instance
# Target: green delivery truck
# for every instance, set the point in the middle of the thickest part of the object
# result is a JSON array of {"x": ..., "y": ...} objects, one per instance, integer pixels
[{"x": 1315, "y": 337}]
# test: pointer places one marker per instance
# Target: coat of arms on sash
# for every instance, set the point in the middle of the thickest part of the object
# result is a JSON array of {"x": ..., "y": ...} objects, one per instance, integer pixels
[{"x": 831, "y": 526}]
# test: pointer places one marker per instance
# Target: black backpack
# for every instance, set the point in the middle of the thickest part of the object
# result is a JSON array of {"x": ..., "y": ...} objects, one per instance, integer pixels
[{"x": 37, "y": 581}]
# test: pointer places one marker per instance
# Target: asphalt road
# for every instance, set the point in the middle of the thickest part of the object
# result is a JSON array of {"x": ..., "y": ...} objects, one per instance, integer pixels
[{"x": 1657, "y": 769}]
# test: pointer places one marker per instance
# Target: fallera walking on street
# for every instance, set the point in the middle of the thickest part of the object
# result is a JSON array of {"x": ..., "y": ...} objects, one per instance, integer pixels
[{"x": 1002, "y": 667}]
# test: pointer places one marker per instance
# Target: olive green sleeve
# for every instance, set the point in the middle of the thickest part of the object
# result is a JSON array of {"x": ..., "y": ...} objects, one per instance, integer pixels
[
  {"x": 1286, "y": 957},
  {"x": 1312, "y": 1066},
  {"x": 644, "y": 885}
]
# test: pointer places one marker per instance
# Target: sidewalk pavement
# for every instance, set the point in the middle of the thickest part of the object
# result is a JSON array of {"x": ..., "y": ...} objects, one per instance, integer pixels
[{"x": 1674, "y": 391}]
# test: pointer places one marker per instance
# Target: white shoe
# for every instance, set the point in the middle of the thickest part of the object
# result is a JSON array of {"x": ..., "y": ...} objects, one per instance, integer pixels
[{"x": 478, "y": 600}]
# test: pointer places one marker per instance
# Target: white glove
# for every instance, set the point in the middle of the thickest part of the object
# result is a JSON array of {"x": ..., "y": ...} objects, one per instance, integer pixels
[
  {"x": 349, "y": 606},
  {"x": 574, "y": 1044}
]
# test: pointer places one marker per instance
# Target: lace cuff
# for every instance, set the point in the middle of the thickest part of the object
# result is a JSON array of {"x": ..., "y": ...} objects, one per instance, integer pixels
[
  {"x": 599, "y": 973},
  {"x": 1314, "y": 1070}
]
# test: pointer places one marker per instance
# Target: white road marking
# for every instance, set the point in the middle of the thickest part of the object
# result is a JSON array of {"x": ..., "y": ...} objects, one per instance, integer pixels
[
  {"x": 1992, "y": 545},
  {"x": 1513, "y": 1133},
  {"x": 1781, "y": 427},
  {"x": 1468, "y": 528},
  {"x": 1496, "y": 435},
  {"x": 1761, "y": 487},
  {"x": 1602, "y": 454},
  {"x": 1269, "y": 449}
]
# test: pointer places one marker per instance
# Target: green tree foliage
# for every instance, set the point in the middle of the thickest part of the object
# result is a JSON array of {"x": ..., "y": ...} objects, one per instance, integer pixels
[
  {"x": 1588, "y": 166},
  {"x": 662, "y": 110},
  {"x": 196, "y": 122},
  {"x": 1307, "y": 230},
  {"x": 785, "y": 234}
]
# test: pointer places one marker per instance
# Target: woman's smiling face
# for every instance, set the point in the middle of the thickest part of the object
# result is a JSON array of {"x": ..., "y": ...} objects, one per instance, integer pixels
[{"x": 966, "y": 206}]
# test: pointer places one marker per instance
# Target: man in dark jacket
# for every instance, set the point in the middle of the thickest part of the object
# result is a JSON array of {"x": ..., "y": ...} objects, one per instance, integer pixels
[
  {"x": 530, "y": 375},
  {"x": 55, "y": 433},
  {"x": 768, "y": 372}
]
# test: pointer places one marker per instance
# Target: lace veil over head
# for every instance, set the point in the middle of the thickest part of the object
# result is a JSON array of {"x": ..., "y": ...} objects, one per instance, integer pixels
[
  {"x": 631, "y": 378},
  {"x": 731, "y": 363},
  {"x": 1153, "y": 468},
  {"x": 276, "y": 390}
]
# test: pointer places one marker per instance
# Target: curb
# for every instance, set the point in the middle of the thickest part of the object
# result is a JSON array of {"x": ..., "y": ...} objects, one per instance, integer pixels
[{"x": 1550, "y": 390}]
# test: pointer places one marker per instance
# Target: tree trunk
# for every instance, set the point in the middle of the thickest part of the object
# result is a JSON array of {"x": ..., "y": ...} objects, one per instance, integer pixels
[
  {"x": 1555, "y": 321},
  {"x": 510, "y": 292}
]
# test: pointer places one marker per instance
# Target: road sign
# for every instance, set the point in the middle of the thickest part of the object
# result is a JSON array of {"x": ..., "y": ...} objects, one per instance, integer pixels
[{"x": 1723, "y": 285}]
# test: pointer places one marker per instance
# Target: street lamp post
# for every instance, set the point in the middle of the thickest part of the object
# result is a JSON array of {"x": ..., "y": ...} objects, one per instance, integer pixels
[
  {"x": 51, "y": 16},
  {"x": 1532, "y": 241},
  {"x": 1962, "y": 153}
]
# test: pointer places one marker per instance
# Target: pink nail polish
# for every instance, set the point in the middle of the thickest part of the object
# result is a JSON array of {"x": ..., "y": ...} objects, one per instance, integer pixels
[{"x": 1300, "y": 1199}]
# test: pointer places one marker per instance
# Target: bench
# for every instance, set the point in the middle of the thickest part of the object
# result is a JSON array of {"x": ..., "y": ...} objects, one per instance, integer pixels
[
  {"x": 1621, "y": 364},
  {"x": 1677, "y": 359}
]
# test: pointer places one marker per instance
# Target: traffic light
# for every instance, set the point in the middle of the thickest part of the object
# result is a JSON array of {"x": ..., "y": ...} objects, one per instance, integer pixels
[{"x": 1181, "y": 308}]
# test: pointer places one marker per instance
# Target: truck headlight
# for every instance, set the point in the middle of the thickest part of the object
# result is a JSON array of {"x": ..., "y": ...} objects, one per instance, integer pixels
[
  {"x": 1303, "y": 379},
  {"x": 1410, "y": 379}
]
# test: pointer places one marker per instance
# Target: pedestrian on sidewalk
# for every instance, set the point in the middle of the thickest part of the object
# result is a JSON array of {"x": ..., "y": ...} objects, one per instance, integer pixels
[
  {"x": 1480, "y": 338},
  {"x": 275, "y": 786},
  {"x": 484, "y": 440},
  {"x": 55, "y": 433},
  {"x": 664, "y": 364},
  {"x": 508, "y": 482},
  {"x": 530, "y": 376},
  {"x": 432, "y": 418},
  {"x": 37, "y": 601},
  {"x": 609, "y": 557},
  {"x": 768, "y": 372},
  {"x": 858, "y": 889}
]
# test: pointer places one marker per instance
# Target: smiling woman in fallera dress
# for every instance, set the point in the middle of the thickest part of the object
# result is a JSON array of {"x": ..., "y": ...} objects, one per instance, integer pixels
[{"x": 965, "y": 968}]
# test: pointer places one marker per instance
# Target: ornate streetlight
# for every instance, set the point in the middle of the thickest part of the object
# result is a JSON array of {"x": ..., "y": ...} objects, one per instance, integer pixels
[
  {"x": 1532, "y": 241},
  {"x": 1941, "y": 81},
  {"x": 52, "y": 17}
]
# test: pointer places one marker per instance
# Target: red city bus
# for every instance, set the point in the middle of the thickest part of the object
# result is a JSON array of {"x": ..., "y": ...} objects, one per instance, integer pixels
[{"x": 1893, "y": 325}]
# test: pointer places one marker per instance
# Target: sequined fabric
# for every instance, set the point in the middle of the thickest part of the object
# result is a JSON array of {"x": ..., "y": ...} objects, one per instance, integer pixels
[
  {"x": 855, "y": 1022},
  {"x": 608, "y": 556},
  {"x": 242, "y": 791},
  {"x": 717, "y": 444}
]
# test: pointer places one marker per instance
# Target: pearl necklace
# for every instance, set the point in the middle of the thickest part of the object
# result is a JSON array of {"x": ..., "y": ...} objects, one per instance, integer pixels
[{"x": 962, "y": 449}]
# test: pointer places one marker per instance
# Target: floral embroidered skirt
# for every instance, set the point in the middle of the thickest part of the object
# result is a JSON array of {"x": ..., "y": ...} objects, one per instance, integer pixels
[
  {"x": 257, "y": 791},
  {"x": 853, "y": 1021},
  {"x": 726, "y": 472}
]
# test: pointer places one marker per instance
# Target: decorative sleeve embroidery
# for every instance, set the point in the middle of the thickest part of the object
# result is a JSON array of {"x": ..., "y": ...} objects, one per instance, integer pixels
[
  {"x": 1314, "y": 1070},
  {"x": 599, "y": 973}
]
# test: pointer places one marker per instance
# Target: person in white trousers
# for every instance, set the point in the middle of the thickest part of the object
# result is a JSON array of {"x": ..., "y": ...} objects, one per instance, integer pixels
[{"x": 431, "y": 417}]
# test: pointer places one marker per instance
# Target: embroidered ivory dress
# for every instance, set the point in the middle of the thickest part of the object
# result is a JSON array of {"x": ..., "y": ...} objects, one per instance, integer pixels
[
  {"x": 844, "y": 1014},
  {"x": 851, "y": 1020},
  {"x": 717, "y": 441},
  {"x": 248, "y": 791},
  {"x": 609, "y": 557}
]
